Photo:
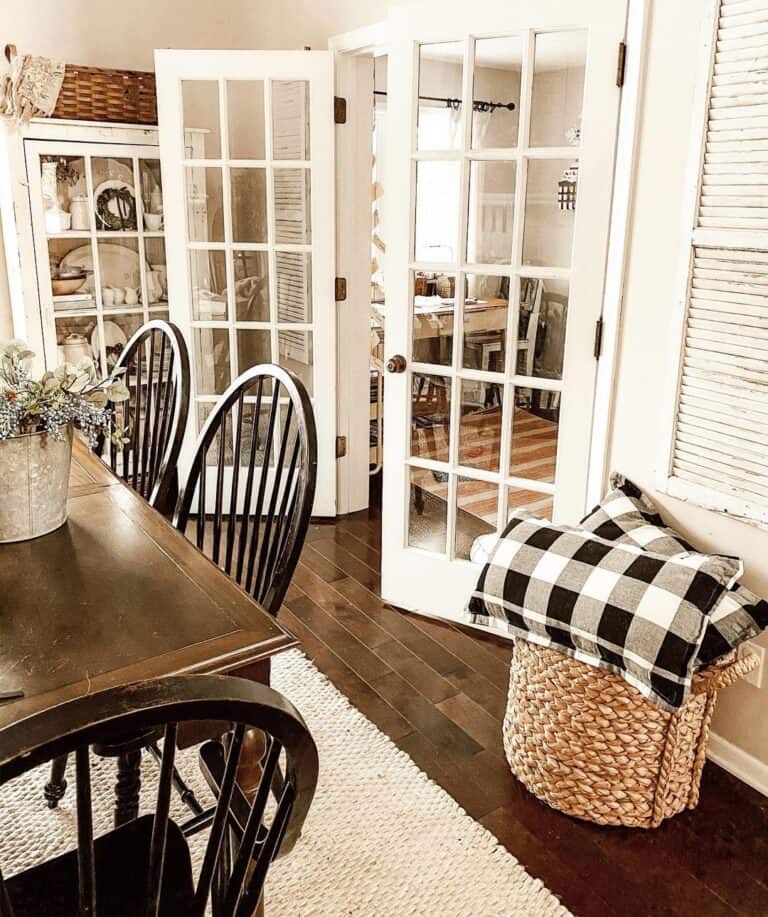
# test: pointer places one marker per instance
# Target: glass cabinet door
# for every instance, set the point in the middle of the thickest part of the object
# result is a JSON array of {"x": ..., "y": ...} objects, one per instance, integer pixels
[{"x": 98, "y": 215}]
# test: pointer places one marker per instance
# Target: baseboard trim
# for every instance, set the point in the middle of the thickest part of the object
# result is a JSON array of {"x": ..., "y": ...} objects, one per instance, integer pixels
[{"x": 741, "y": 764}]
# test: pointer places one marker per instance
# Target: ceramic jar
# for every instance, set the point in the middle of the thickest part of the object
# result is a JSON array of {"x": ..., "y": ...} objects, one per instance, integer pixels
[{"x": 80, "y": 213}]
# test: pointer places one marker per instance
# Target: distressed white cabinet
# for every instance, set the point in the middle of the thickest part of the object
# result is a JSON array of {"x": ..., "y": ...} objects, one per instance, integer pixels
[{"x": 81, "y": 195}]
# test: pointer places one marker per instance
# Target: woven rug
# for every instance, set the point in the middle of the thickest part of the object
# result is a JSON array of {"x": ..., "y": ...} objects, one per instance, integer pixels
[{"x": 380, "y": 838}]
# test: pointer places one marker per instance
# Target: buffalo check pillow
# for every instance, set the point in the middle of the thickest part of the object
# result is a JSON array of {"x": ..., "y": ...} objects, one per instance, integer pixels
[
  {"x": 615, "y": 606},
  {"x": 628, "y": 515}
]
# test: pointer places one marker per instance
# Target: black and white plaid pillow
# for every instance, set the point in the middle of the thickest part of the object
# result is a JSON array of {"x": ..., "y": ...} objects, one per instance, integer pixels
[
  {"x": 615, "y": 606},
  {"x": 627, "y": 515}
]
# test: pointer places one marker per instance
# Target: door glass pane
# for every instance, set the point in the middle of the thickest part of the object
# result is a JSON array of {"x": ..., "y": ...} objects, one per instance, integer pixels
[
  {"x": 437, "y": 210},
  {"x": 205, "y": 205},
  {"x": 541, "y": 329},
  {"x": 65, "y": 194},
  {"x": 430, "y": 416},
  {"x": 291, "y": 193},
  {"x": 532, "y": 501},
  {"x": 245, "y": 114},
  {"x": 75, "y": 337},
  {"x": 253, "y": 347},
  {"x": 156, "y": 272},
  {"x": 477, "y": 505},
  {"x": 486, "y": 306},
  {"x": 151, "y": 194},
  {"x": 491, "y": 208},
  {"x": 118, "y": 330},
  {"x": 295, "y": 353},
  {"x": 428, "y": 510},
  {"x": 249, "y": 205},
  {"x": 119, "y": 273},
  {"x": 480, "y": 425},
  {"x": 257, "y": 422},
  {"x": 251, "y": 286},
  {"x": 202, "y": 130},
  {"x": 534, "y": 434},
  {"x": 558, "y": 88},
  {"x": 212, "y": 456},
  {"x": 550, "y": 211},
  {"x": 433, "y": 311},
  {"x": 208, "y": 276},
  {"x": 290, "y": 119},
  {"x": 441, "y": 68},
  {"x": 498, "y": 67},
  {"x": 72, "y": 279},
  {"x": 114, "y": 194},
  {"x": 294, "y": 286},
  {"x": 212, "y": 370}
]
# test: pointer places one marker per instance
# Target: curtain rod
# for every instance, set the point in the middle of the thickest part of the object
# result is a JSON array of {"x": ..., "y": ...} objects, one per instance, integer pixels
[{"x": 477, "y": 104}]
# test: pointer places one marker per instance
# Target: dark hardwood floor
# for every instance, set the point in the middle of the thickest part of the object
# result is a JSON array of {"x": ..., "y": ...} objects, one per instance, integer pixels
[{"x": 438, "y": 692}]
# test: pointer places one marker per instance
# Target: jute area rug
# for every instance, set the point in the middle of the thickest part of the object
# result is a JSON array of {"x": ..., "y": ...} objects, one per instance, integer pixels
[{"x": 381, "y": 838}]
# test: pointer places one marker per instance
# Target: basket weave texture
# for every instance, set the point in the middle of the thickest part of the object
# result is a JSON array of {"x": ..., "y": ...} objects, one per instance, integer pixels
[
  {"x": 590, "y": 745},
  {"x": 100, "y": 94}
]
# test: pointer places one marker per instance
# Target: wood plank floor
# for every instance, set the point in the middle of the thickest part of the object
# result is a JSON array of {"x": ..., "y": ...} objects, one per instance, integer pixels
[{"x": 438, "y": 692}]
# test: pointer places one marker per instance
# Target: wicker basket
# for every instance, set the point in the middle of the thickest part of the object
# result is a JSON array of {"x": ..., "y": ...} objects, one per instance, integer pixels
[
  {"x": 98, "y": 94},
  {"x": 590, "y": 745}
]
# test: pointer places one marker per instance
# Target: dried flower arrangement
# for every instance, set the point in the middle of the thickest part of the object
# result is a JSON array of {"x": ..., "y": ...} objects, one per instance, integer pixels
[
  {"x": 69, "y": 394},
  {"x": 66, "y": 173}
]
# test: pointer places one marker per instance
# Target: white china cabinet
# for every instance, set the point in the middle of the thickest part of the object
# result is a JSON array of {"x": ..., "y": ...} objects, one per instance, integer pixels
[{"x": 82, "y": 216}]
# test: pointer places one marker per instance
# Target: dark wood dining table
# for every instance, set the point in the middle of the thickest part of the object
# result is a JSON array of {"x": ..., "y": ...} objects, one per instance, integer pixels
[{"x": 114, "y": 596}]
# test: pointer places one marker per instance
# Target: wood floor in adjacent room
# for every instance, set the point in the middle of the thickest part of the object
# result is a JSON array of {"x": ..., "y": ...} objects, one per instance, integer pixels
[{"x": 439, "y": 693}]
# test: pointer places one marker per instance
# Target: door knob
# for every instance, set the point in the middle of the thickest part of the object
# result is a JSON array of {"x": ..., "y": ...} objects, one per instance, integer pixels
[{"x": 396, "y": 364}]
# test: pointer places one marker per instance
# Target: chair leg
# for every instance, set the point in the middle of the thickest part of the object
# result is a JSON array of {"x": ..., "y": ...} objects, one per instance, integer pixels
[
  {"x": 187, "y": 796},
  {"x": 57, "y": 786},
  {"x": 128, "y": 787}
]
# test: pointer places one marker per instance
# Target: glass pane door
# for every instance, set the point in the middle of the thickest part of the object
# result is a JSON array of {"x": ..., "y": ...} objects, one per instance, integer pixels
[
  {"x": 493, "y": 230},
  {"x": 99, "y": 210},
  {"x": 499, "y": 277},
  {"x": 250, "y": 155}
]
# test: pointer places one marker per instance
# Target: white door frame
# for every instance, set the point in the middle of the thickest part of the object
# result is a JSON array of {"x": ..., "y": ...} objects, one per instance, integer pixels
[{"x": 374, "y": 40}]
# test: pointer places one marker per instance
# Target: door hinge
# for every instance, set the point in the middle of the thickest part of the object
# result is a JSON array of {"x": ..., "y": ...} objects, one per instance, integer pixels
[
  {"x": 621, "y": 64},
  {"x": 341, "y": 446},
  {"x": 598, "y": 347},
  {"x": 339, "y": 110},
  {"x": 340, "y": 289}
]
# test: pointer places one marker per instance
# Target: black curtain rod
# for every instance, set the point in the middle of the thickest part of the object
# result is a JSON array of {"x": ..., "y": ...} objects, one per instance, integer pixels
[{"x": 477, "y": 104}]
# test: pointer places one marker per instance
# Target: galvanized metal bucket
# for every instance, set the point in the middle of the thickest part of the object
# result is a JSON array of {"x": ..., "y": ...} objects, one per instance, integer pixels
[{"x": 34, "y": 480}]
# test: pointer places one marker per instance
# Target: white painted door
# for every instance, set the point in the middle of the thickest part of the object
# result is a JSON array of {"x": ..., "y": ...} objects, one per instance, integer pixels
[
  {"x": 498, "y": 222},
  {"x": 246, "y": 145}
]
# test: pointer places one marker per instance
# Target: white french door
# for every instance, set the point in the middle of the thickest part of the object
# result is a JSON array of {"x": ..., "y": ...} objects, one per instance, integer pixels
[
  {"x": 246, "y": 144},
  {"x": 502, "y": 123}
]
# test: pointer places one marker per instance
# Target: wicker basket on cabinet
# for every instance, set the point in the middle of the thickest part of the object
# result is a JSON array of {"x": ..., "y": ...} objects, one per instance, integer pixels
[
  {"x": 101, "y": 94},
  {"x": 590, "y": 745}
]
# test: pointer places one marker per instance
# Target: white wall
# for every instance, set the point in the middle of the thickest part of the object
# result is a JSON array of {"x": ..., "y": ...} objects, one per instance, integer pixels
[
  {"x": 651, "y": 291},
  {"x": 107, "y": 33}
]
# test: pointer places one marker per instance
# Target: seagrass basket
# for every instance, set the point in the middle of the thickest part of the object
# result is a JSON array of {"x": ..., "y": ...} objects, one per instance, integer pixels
[
  {"x": 101, "y": 94},
  {"x": 590, "y": 745}
]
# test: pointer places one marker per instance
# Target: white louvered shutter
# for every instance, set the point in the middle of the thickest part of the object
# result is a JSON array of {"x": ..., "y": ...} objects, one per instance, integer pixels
[
  {"x": 719, "y": 450},
  {"x": 291, "y": 202}
]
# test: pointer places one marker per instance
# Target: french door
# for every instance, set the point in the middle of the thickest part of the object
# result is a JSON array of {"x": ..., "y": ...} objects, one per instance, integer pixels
[
  {"x": 502, "y": 126},
  {"x": 246, "y": 144}
]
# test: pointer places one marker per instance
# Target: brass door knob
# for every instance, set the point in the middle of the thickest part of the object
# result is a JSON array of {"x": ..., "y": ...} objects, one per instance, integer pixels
[{"x": 396, "y": 364}]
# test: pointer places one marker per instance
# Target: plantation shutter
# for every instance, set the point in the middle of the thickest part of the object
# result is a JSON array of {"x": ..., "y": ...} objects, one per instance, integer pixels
[
  {"x": 719, "y": 454},
  {"x": 294, "y": 278}
]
